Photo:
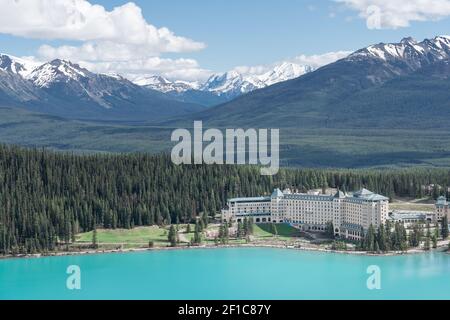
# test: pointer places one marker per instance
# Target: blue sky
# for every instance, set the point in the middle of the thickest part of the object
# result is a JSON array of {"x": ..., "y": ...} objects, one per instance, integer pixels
[{"x": 252, "y": 32}]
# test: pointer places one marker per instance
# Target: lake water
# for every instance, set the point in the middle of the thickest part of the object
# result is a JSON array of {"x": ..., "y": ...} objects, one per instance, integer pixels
[{"x": 238, "y": 273}]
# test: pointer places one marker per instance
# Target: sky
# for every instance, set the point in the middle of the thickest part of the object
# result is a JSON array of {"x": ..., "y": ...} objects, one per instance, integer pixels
[{"x": 191, "y": 39}]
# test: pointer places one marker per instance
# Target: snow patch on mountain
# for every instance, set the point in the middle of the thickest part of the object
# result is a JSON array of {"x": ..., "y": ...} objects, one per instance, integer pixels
[
  {"x": 57, "y": 71},
  {"x": 22, "y": 67},
  {"x": 408, "y": 50},
  {"x": 164, "y": 85},
  {"x": 234, "y": 82}
]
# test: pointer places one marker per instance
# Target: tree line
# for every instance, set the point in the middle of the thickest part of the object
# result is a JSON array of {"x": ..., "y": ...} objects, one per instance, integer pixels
[
  {"x": 394, "y": 237},
  {"x": 47, "y": 198}
]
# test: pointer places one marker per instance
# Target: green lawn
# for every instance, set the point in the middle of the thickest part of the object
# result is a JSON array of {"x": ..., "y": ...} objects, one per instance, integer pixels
[
  {"x": 284, "y": 231},
  {"x": 140, "y": 235}
]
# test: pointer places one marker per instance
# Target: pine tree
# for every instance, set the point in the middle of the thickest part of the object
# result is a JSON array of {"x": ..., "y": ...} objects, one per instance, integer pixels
[
  {"x": 434, "y": 241},
  {"x": 240, "y": 231},
  {"x": 172, "y": 237},
  {"x": 197, "y": 234},
  {"x": 94, "y": 238},
  {"x": 250, "y": 227},
  {"x": 370, "y": 239},
  {"x": 205, "y": 219},
  {"x": 329, "y": 230},
  {"x": 381, "y": 238},
  {"x": 47, "y": 198},
  {"x": 428, "y": 238},
  {"x": 225, "y": 233},
  {"x": 444, "y": 227}
]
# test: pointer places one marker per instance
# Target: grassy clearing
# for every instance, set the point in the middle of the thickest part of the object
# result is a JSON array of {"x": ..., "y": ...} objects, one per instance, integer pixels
[
  {"x": 140, "y": 237},
  {"x": 137, "y": 236},
  {"x": 283, "y": 230}
]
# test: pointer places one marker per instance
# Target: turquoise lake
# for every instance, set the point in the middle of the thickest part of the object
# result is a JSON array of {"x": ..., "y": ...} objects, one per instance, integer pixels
[{"x": 238, "y": 273}]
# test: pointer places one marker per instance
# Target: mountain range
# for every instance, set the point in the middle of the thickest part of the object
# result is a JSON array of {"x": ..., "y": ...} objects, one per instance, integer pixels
[
  {"x": 223, "y": 87},
  {"x": 62, "y": 88},
  {"x": 384, "y": 105},
  {"x": 385, "y": 85}
]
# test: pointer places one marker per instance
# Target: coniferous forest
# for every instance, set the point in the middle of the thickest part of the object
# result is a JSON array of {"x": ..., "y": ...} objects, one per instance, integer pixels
[{"x": 46, "y": 198}]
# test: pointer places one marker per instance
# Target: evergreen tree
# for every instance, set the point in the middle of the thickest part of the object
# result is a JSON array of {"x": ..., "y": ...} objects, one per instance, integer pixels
[
  {"x": 329, "y": 230},
  {"x": 370, "y": 239},
  {"x": 172, "y": 237},
  {"x": 250, "y": 227},
  {"x": 94, "y": 238},
  {"x": 240, "y": 231},
  {"x": 381, "y": 238},
  {"x": 47, "y": 198},
  {"x": 415, "y": 236},
  {"x": 205, "y": 219},
  {"x": 274, "y": 229},
  {"x": 444, "y": 227},
  {"x": 434, "y": 241},
  {"x": 428, "y": 238},
  {"x": 226, "y": 233},
  {"x": 197, "y": 234}
]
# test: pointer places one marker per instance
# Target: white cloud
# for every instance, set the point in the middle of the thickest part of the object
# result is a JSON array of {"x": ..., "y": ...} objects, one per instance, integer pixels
[
  {"x": 319, "y": 60},
  {"x": 83, "y": 21},
  {"x": 315, "y": 61},
  {"x": 393, "y": 14},
  {"x": 117, "y": 41},
  {"x": 173, "y": 69}
]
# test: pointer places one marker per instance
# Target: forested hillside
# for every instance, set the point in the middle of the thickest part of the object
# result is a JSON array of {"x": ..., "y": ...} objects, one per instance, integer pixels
[{"x": 46, "y": 198}]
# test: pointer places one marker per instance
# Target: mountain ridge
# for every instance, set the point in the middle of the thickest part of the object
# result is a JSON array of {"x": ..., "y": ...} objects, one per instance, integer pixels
[
  {"x": 62, "y": 88},
  {"x": 223, "y": 87},
  {"x": 311, "y": 100}
]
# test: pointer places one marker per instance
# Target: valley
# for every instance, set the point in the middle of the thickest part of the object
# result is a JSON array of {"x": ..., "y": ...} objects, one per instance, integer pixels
[
  {"x": 326, "y": 148},
  {"x": 383, "y": 106}
]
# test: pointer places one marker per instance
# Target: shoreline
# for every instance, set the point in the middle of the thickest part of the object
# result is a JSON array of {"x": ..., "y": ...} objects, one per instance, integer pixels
[{"x": 211, "y": 247}]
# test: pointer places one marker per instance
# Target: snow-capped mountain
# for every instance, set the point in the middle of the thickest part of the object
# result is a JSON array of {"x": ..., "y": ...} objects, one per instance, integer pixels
[
  {"x": 57, "y": 71},
  {"x": 161, "y": 84},
  {"x": 222, "y": 87},
  {"x": 16, "y": 65},
  {"x": 389, "y": 85},
  {"x": 65, "y": 89},
  {"x": 234, "y": 83},
  {"x": 231, "y": 83},
  {"x": 284, "y": 72},
  {"x": 411, "y": 53}
]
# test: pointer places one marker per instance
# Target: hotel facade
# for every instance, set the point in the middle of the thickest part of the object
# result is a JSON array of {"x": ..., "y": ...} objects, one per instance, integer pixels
[{"x": 350, "y": 214}]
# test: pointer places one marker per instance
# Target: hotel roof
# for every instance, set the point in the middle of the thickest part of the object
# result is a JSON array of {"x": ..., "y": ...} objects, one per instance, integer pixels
[
  {"x": 403, "y": 215},
  {"x": 362, "y": 195},
  {"x": 441, "y": 201},
  {"x": 251, "y": 199},
  {"x": 369, "y": 195}
]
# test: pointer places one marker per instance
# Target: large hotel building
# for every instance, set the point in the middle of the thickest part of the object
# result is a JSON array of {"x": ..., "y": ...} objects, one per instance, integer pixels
[{"x": 350, "y": 214}]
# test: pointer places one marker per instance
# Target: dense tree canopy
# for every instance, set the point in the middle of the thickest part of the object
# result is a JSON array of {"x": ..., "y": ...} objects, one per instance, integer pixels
[{"x": 47, "y": 197}]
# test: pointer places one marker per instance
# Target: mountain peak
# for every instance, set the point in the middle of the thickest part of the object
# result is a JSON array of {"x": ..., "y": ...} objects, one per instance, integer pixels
[
  {"x": 16, "y": 65},
  {"x": 413, "y": 53},
  {"x": 408, "y": 40},
  {"x": 159, "y": 83},
  {"x": 57, "y": 70}
]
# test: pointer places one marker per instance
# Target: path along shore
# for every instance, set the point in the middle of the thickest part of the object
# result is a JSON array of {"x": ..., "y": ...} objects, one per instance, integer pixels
[{"x": 443, "y": 246}]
